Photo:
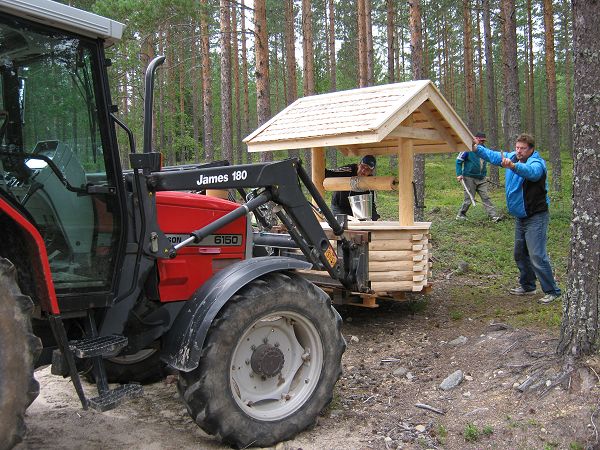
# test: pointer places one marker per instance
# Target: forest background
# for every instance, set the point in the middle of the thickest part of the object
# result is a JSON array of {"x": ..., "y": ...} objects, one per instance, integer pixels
[{"x": 505, "y": 66}]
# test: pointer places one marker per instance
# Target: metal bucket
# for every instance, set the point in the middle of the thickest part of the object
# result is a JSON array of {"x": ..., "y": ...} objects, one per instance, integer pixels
[{"x": 362, "y": 206}]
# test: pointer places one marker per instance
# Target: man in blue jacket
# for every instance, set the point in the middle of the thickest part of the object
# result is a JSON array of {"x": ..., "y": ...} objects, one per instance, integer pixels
[
  {"x": 527, "y": 200},
  {"x": 471, "y": 171}
]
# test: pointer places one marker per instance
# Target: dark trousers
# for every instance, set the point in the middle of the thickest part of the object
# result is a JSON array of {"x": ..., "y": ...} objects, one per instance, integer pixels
[{"x": 531, "y": 255}]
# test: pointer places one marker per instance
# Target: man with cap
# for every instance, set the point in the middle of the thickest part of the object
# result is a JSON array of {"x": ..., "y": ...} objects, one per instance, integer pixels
[
  {"x": 471, "y": 171},
  {"x": 339, "y": 201}
]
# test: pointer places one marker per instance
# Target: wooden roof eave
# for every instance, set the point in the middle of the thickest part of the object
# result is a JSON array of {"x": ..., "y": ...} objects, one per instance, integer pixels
[{"x": 320, "y": 141}]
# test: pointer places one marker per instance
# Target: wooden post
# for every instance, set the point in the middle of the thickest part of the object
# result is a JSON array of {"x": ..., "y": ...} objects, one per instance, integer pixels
[
  {"x": 406, "y": 198},
  {"x": 219, "y": 193},
  {"x": 318, "y": 168}
]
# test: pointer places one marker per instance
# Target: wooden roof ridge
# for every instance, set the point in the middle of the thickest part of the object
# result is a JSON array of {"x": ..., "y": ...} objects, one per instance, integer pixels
[{"x": 319, "y": 120}]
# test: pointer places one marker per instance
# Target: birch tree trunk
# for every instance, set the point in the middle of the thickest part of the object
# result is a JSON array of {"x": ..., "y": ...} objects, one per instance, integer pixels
[
  {"x": 579, "y": 330},
  {"x": 553, "y": 132}
]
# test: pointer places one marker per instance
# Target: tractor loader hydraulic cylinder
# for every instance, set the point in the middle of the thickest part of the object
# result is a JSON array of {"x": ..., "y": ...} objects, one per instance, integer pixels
[
  {"x": 278, "y": 240},
  {"x": 198, "y": 235}
]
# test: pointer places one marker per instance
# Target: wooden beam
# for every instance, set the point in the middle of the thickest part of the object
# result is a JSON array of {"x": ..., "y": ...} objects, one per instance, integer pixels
[
  {"x": 362, "y": 184},
  {"x": 406, "y": 199},
  {"x": 438, "y": 125},
  {"x": 318, "y": 168},
  {"x": 321, "y": 141},
  {"x": 416, "y": 133},
  {"x": 433, "y": 148},
  {"x": 386, "y": 266}
]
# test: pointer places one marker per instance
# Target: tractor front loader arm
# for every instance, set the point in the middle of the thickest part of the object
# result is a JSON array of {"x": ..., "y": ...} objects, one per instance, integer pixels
[{"x": 280, "y": 182}]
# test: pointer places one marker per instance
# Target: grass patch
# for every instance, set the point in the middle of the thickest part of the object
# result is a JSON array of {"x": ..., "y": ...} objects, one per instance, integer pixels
[
  {"x": 471, "y": 433},
  {"x": 456, "y": 315},
  {"x": 550, "y": 446},
  {"x": 442, "y": 434},
  {"x": 540, "y": 315}
]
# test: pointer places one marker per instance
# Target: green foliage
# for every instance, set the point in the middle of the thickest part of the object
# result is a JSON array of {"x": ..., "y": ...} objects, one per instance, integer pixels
[
  {"x": 487, "y": 430},
  {"x": 456, "y": 315},
  {"x": 442, "y": 434},
  {"x": 471, "y": 433},
  {"x": 550, "y": 446}
]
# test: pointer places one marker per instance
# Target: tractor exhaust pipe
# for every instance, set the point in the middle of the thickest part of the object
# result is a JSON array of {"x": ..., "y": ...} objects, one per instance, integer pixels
[{"x": 149, "y": 101}]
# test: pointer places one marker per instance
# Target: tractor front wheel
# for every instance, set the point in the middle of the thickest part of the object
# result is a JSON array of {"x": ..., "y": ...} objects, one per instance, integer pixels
[
  {"x": 269, "y": 365},
  {"x": 18, "y": 350}
]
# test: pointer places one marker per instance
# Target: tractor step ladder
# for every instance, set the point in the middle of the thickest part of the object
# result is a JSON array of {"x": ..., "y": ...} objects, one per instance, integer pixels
[
  {"x": 95, "y": 348},
  {"x": 113, "y": 398},
  {"x": 98, "y": 346}
]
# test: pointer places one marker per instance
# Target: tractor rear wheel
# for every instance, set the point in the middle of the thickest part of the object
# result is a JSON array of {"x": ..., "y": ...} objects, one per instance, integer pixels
[
  {"x": 19, "y": 348},
  {"x": 269, "y": 363}
]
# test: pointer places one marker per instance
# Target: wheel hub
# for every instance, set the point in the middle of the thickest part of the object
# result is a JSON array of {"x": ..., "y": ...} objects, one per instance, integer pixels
[{"x": 267, "y": 360}]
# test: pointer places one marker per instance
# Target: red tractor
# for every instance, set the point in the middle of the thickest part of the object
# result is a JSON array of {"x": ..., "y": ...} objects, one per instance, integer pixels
[{"x": 118, "y": 274}]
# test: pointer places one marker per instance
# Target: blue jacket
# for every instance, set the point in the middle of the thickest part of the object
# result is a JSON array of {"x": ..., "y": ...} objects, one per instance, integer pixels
[
  {"x": 469, "y": 164},
  {"x": 525, "y": 185}
]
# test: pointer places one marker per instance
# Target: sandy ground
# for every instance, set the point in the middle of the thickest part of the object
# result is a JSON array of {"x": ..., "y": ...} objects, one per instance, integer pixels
[{"x": 396, "y": 358}]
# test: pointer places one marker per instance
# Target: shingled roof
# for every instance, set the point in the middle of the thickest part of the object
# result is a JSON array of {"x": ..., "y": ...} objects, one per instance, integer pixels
[{"x": 367, "y": 120}]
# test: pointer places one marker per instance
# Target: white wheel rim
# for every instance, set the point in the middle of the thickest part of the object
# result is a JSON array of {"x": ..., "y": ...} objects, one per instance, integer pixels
[
  {"x": 279, "y": 396},
  {"x": 133, "y": 358}
]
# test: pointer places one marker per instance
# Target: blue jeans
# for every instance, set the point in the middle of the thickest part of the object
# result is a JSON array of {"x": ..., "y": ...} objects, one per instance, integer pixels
[{"x": 531, "y": 255}]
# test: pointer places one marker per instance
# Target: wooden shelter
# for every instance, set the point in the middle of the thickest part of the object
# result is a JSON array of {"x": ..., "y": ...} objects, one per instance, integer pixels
[{"x": 400, "y": 119}]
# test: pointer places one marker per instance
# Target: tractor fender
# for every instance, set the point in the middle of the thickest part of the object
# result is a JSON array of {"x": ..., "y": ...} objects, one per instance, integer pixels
[{"x": 182, "y": 345}]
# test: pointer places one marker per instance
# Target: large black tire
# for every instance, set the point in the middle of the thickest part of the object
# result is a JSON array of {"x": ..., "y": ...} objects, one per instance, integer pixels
[
  {"x": 269, "y": 363},
  {"x": 19, "y": 349}
]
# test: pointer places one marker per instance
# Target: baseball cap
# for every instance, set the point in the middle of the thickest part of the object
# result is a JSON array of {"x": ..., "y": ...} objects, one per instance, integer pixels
[
  {"x": 480, "y": 135},
  {"x": 369, "y": 160}
]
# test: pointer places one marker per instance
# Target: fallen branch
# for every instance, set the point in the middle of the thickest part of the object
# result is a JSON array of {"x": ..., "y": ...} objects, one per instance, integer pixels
[
  {"x": 594, "y": 425},
  {"x": 509, "y": 348},
  {"x": 430, "y": 408}
]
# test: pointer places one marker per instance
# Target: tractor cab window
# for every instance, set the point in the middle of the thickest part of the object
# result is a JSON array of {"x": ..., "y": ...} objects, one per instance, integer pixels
[{"x": 51, "y": 150}]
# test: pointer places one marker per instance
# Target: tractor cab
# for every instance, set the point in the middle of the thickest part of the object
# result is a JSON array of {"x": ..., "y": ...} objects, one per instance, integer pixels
[{"x": 53, "y": 165}]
